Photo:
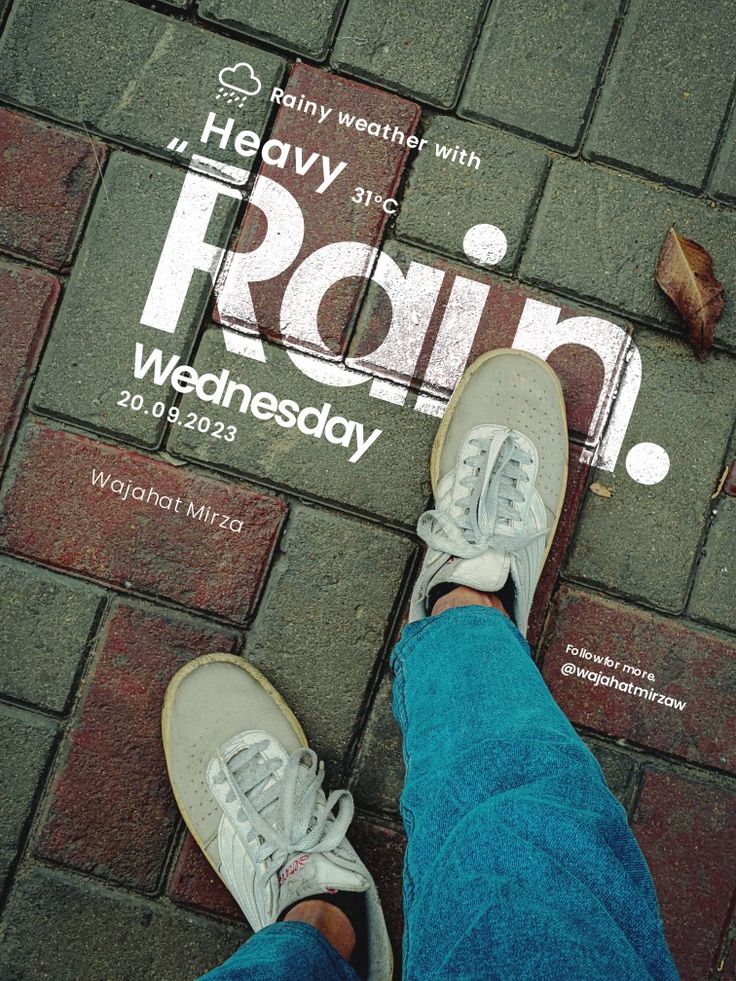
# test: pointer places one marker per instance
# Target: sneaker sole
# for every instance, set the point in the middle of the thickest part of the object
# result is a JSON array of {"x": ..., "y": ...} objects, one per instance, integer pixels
[{"x": 495, "y": 381}]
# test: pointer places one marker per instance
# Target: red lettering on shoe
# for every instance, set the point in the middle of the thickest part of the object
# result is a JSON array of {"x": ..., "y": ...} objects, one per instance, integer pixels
[{"x": 292, "y": 868}]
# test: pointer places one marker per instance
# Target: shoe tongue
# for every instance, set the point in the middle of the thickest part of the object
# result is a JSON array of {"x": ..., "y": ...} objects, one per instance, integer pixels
[
  {"x": 487, "y": 572},
  {"x": 310, "y": 875}
]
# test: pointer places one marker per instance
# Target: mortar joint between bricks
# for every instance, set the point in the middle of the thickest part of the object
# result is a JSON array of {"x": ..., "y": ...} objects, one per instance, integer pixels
[
  {"x": 719, "y": 144},
  {"x": 381, "y": 819},
  {"x": 592, "y": 107},
  {"x": 173, "y": 852},
  {"x": 353, "y": 754},
  {"x": 33, "y": 820},
  {"x": 81, "y": 129},
  {"x": 29, "y": 262},
  {"x": 67, "y": 725},
  {"x": 261, "y": 42},
  {"x": 470, "y": 54},
  {"x": 337, "y": 27},
  {"x": 121, "y": 593},
  {"x": 622, "y": 167},
  {"x": 283, "y": 491},
  {"x": 663, "y": 761},
  {"x": 602, "y": 589},
  {"x": 636, "y": 321},
  {"x": 708, "y": 525},
  {"x": 530, "y": 219}
]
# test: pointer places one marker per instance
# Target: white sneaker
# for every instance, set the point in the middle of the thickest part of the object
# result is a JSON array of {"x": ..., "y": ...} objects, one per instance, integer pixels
[
  {"x": 250, "y": 792},
  {"x": 499, "y": 473}
]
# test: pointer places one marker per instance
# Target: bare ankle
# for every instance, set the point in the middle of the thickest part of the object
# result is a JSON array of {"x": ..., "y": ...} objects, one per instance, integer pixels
[
  {"x": 467, "y": 596},
  {"x": 331, "y": 922}
]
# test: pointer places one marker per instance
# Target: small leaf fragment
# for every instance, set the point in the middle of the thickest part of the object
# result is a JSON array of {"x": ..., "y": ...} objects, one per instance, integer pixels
[
  {"x": 173, "y": 460},
  {"x": 685, "y": 274},
  {"x": 601, "y": 490},
  {"x": 721, "y": 484}
]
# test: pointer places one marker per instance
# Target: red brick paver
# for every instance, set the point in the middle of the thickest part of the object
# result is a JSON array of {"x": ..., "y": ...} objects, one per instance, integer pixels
[
  {"x": 372, "y": 163},
  {"x": 382, "y": 851},
  {"x": 111, "y": 811},
  {"x": 576, "y": 482},
  {"x": 27, "y": 301},
  {"x": 687, "y": 831},
  {"x": 194, "y": 883},
  {"x": 688, "y": 664},
  {"x": 46, "y": 179},
  {"x": 53, "y": 512}
]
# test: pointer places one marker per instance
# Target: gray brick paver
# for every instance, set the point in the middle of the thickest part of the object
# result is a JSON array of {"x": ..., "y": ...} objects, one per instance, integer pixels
[
  {"x": 45, "y": 626},
  {"x": 305, "y": 27},
  {"x": 442, "y": 200},
  {"x": 598, "y": 234},
  {"x": 667, "y": 89},
  {"x": 714, "y": 595},
  {"x": 390, "y": 480},
  {"x": 125, "y": 71},
  {"x": 90, "y": 357},
  {"x": 642, "y": 541},
  {"x": 537, "y": 64},
  {"x": 26, "y": 742},
  {"x": 61, "y": 927},
  {"x": 419, "y": 50},
  {"x": 379, "y": 776},
  {"x": 323, "y": 619}
]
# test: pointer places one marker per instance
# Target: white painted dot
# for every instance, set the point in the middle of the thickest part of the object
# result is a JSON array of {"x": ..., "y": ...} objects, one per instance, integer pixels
[
  {"x": 647, "y": 463},
  {"x": 485, "y": 244}
]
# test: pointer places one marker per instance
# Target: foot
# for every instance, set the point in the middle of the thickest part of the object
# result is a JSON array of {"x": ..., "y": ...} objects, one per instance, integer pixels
[
  {"x": 331, "y": 922},
  {"x": 465, "y": 596},
  {"x": 499, "y": 472},
  {"x": 250, "y": 791}
]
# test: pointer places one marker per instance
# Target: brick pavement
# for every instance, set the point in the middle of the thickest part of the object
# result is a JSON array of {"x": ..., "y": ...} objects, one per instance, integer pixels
[{"x": 597, "y": 129}]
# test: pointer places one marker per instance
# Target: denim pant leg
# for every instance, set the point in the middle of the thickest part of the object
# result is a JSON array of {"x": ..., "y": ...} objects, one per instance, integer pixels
[
  {"x": 283, "y": 952},
  {"x": 520, "y": 862}
]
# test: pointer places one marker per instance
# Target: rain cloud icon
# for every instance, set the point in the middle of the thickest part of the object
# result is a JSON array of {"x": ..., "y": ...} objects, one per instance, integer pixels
[{"x": 237, "y": 83}]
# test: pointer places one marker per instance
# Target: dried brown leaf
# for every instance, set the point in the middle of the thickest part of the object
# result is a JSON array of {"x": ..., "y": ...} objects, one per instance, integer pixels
[
  {"x": 600, "y": 490},
  {"x": 685, "y": 274}
]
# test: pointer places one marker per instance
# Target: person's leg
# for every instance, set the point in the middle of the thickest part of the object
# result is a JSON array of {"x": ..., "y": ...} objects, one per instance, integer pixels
[
  {"x": 284, "y": 951},
  {"x": 520, "y": 863}
]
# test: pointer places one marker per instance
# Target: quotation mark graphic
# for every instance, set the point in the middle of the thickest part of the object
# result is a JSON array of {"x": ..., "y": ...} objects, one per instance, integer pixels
[
  {"x": 177, "y": 145},
  {"x": 238, "y": 83}
]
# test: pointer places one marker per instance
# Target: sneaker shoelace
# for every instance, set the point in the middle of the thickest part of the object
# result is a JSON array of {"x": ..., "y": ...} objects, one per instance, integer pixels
[
  {"x": 491, "y": 504},
  {"x": 285, "y": 814}
]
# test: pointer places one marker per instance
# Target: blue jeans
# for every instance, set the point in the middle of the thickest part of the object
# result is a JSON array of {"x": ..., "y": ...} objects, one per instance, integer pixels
[{"x": 520, "y": 862}]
